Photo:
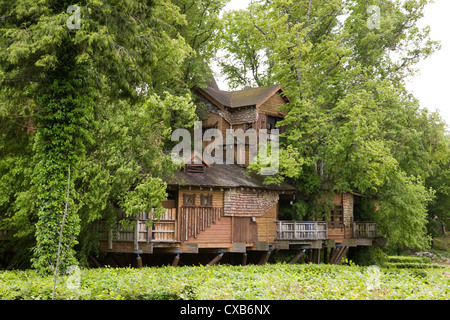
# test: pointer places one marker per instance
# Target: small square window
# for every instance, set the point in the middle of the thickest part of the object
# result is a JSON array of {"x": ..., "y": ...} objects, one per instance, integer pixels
[
  {"x": 188, "y": 200},
  {"x": 206, "y": 200}
]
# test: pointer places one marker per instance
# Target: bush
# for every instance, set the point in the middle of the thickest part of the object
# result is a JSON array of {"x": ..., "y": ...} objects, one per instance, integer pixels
[
  {"x": 408, "y": 259},
  {"x": 367, "y": 256},
  {"x": 269, "y": 282}
]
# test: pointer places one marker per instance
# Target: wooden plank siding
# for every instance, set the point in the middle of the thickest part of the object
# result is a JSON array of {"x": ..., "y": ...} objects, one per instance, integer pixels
[
  {"x": 244, "y": 230},
  {"x": 267, "y": 227},
  {"x": 217, "y": 235},
  {"x": 193, "y": 220},
  {"x": 272, "y": 106},
  {"x": 227, "y": 230},
  {"x": 217, "y": 196}
]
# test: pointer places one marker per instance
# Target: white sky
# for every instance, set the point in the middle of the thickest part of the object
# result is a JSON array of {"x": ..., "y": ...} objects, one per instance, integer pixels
[{"x": 432, "y": 85}]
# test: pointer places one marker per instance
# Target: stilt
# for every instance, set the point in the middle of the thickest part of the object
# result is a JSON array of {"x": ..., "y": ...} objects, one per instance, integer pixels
[
  {"x": 318, "y": 256},
  {"x": 265, "y": 258},
  {"x": 98, "y": 264},
  {"x": 334, "y": 254},
  {"x": 325, "y": 255},
  {"x": 244, "y": 259},
  {"x": 176, "y": 260},
  {"x": 139, "y": 261},
  {"x": 216, "y": 259},
  {"x": 298, "y": 256},
  {"x": 341, "y": 255}
]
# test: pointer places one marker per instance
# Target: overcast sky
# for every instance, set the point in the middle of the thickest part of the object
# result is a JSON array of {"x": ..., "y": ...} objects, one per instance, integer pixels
[{"x": 432, "y": 85}]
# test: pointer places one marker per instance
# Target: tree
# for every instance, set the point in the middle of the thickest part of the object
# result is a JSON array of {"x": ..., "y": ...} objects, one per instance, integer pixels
[
  {"x": 93, "y": 98},
  {"x": 352, "y": 126},
  {"x": 201, "y": 33}
]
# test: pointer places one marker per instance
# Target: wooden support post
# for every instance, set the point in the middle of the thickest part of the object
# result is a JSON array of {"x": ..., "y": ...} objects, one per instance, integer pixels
[
  {"x": 110, "y": 239},
  {"x": 176, "y": 260},
  {"x": 298, "y": 256},
  {"x": 139, "y": 261},
  {"x": 334, "y": 255},
  {"x": 341, "y": 254},
  {"x": 318, "y": 256},
  {"x": 95, "y": 262},
  {"x": 244, "y": 259},
  {"x": 265, "y": 258},
  {"x": 136, "y": 235},
  {"x": 325, "y": 255},
  {"x": 216, "y": 259}
]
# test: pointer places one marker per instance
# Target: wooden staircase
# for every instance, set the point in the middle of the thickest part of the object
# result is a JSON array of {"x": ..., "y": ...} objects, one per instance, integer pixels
[{"x": 193, "y": 220}]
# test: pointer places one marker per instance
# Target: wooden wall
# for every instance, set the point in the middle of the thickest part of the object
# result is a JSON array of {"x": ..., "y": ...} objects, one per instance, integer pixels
[
  {"x": 233, "y": 228},
  {"x": 272, "y": 105},
  {"x": 218, "y": 235},
  {"x": 216, "y": 194},
  {"x": 267, "y": 226}
]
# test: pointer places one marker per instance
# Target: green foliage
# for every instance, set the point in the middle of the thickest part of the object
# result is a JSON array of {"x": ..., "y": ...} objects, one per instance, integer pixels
[
  {"x": 367, "y": 256},
  {"x": 409, "y": 259},
  {"x": 103, "y": 98},
  {"x": 411, "y": 262},
  {"x": 351, "y": 124},
  {"x": 403, "y": 219},
  {"x": 269, "y": 282}
]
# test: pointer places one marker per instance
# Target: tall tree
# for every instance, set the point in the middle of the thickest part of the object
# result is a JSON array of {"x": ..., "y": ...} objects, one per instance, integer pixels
[
  {"x": 352, "y": 126},
  {"x": 202, "y": 34},
  {"x": 85, "y": 87}
]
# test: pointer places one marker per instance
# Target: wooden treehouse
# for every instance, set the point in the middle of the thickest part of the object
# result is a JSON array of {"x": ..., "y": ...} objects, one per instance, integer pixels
[{"x": 220, "y": 209}]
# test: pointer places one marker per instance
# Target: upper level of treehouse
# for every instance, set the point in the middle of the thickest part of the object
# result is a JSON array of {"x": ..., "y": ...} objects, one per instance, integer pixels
[{"x": 250, "y": 108}]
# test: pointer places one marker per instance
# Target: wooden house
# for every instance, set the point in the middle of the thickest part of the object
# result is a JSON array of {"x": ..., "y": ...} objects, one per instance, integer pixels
[{"x": 221, "y": 208}]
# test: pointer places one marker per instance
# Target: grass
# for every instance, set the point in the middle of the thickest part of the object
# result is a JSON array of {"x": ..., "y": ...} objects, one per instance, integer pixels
[{"x": 269, "y": 282}]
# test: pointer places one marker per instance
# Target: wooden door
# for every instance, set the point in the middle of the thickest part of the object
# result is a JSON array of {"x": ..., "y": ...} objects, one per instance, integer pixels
[{"x": 244, "y": 230}]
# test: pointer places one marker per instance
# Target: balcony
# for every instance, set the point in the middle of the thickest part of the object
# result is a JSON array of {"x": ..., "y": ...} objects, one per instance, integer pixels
[
  {"x": 300, "y": 230},
  {"x": 318, "y": 230},
  {"x": 367, "y": 230}
]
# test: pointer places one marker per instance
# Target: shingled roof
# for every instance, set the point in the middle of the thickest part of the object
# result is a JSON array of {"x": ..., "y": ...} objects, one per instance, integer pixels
[
  {"x": 225, "y": 176},
  {"x": 241, "y": 98}
]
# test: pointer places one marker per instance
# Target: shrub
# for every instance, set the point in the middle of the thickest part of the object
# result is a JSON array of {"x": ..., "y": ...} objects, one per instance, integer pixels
[
  {"x": 408, "y": 259},
  {"x": 269, "y": 282}
]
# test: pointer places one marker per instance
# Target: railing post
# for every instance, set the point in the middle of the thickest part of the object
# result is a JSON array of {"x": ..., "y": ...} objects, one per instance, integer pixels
[
  {"x": 110, "y": 239},
  {"x": 136, "y": 235}
]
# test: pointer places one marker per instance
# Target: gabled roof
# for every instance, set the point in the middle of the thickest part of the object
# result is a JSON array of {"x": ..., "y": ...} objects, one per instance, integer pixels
[
  {"x": 240, "y": 98},
  {"x": 197, "y": 155}
]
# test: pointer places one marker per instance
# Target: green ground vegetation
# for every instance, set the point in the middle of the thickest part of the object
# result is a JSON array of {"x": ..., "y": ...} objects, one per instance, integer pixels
[{"x": 269, "y": 282}]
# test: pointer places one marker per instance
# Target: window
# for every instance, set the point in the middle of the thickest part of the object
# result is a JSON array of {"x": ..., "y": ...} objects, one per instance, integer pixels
[
  {"x": 272, "y": 122},
  {"x": 189, "y": 200},
  {"x": 337, "y": 218},
  {"x": 206, "y": 200},
  {"x": 194, "y": 168}
]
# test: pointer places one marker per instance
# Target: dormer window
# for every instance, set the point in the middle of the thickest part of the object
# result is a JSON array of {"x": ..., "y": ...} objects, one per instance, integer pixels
[
  {"x": 195, "y": 164},
  {"x": 194, "y": 168}
]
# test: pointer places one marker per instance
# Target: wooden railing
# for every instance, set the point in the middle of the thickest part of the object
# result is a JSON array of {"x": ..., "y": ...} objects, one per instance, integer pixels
[
  {"x": 365, "y": 230},
  {"x": 193, "y": 220},
  {"x": 163, "y": 229},
  {"x": 301, "y": 230},
  {"x": 170, "y": 227}
]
